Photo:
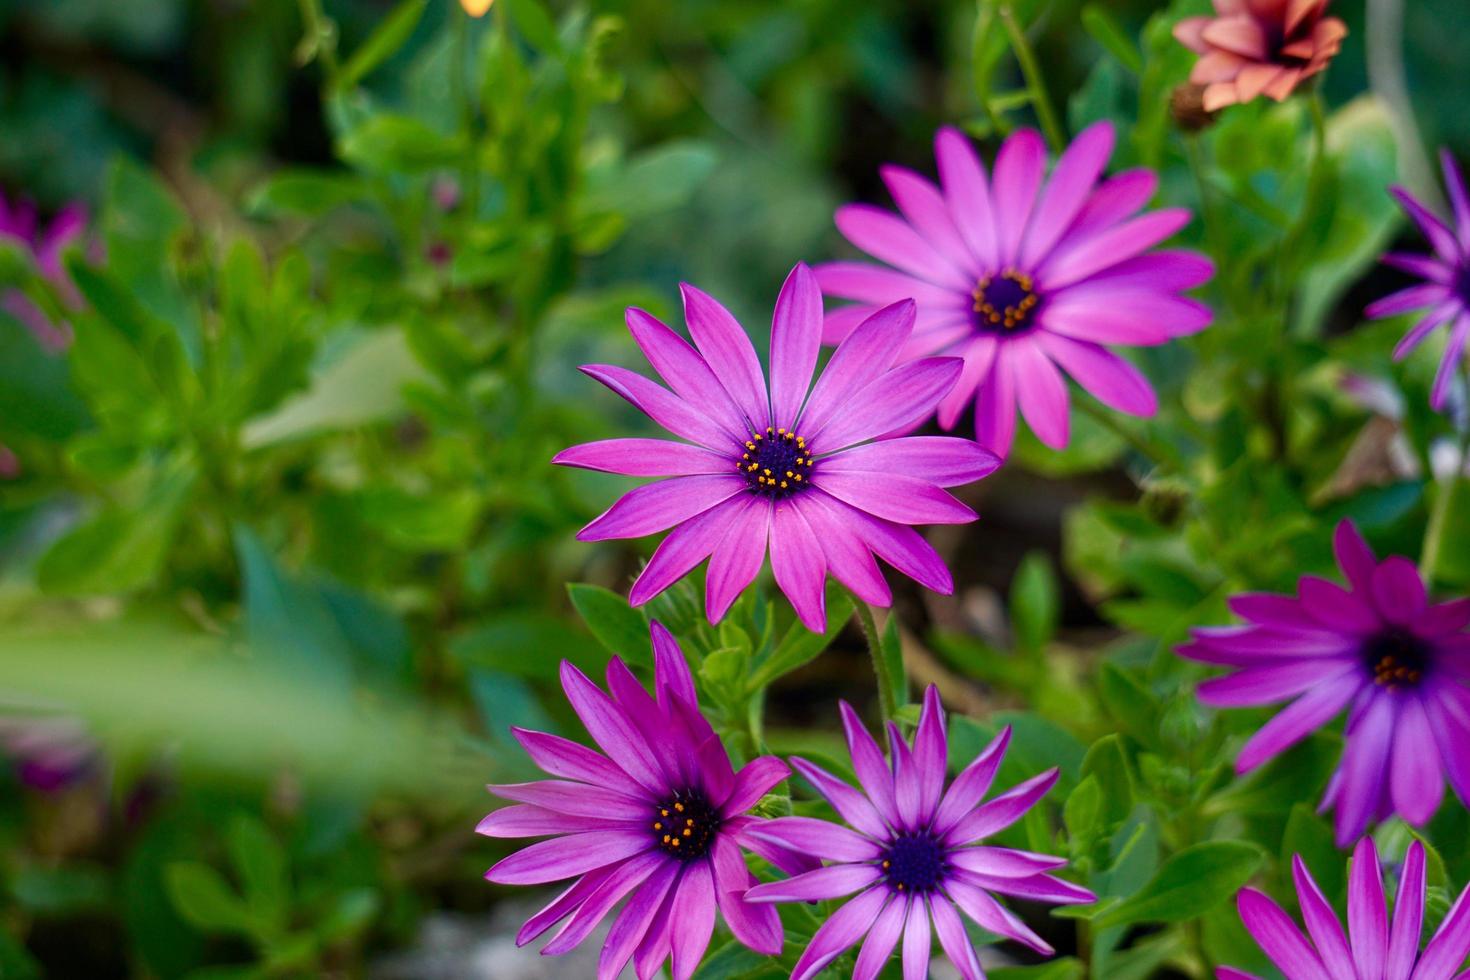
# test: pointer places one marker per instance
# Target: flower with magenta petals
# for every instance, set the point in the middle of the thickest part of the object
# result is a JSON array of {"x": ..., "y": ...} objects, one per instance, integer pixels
[
  {"x": 1259, "y": 47},
  {"x": 1024, "y": 278},
  {"x": 47, "y": 244},
  {"x": 1373, "y": 947},
  {"x": 660, "y": 819},
  {"x": 791, "y": 466},
  {"x": 911, "y": 853},
  {"x": 1445, "y": 292},
  {"x": 1378, "y": 648}
]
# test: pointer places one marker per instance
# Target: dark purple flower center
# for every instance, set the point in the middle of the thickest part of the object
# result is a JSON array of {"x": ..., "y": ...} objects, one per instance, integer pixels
[
  {"x": 1462, "y": 283},
  {"x": 685, "y": 825},
  {"x": 1396, "y": 658},
  {"x": 776, "y": 463},
  {"x": 914, "y": 863},
  {"x": 1004, "y": 303}
]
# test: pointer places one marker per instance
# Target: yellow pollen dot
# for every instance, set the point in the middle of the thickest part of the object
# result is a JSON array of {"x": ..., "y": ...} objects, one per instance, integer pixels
[
  {"x": 664, "y": 813},
  {"x": 667, "y": 838},
  {"x": 658, "y": 826},
  {"x": 766, "y": 472},
  {"x": 886, "y": 864},
  {"x": 745, "y": 456},
  {"x": 674, "y": 842},
  {"x": 679, "y": 807},
  {"x": 789, "y": 473},
  {"x": 783, "y": 484},
  {"x": 688, "y": 832},
  {"x": 769, "y": 430},
  {"x": 797, "y": 478}
]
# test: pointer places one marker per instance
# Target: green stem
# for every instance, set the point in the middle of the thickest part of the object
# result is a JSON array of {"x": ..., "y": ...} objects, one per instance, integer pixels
[
  {"x": 1140, "y": 443},
  {"x": 1195, "y": 157},
  {"x": 1035, "y": 81},
  {"x": 324, "y": 36},
  {"x": 886, "y": 698},
  {"x": 1439, "y": 516}
]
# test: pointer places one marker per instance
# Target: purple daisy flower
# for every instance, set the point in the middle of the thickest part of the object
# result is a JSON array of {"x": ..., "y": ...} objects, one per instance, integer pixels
[
  {"x": 789, "y": 465},
  {"x": 912, "y": 855},
  {"x": 1024, "y": 281},
  {"x": 1372, "y": 948},
  {"x": 1445, "y": 293},
  {"x": 1379, "y": 648},
  {"x": 19, "y": 223},
  {"x": 661, "y": 819}
]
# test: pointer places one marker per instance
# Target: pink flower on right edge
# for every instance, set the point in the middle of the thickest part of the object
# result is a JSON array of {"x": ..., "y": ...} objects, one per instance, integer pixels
[
  {"x": 1024, "y": 278},
  {"x": 1444, "y": 296},
  {"x": 1378, "y": 648},
  {"x": 1373, "y": 947}
]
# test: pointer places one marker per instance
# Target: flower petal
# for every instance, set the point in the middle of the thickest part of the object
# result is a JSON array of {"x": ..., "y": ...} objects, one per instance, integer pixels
[
  {"x": 567, "y": 857},
  {"x": 1085, "y": 256},
  {"x": 1408, "y": 916},
  {"x": 925, "y": 209},
  {"x": 941, "y": 460},
  {"x": 755, "y": 926},
  {"x": 737, "y": 558},
  {"x": 820, "y": 838},
  {"x": 1297, "y": 720},
  {"x": 847, "y": 557},
  {"x": 1321, "y": 920},
  {"x": 1018, "y": 171},
  {"x": 796, "y": 337},
  {"x": 866, "y": 353},
  {"x": 868, "y": 764},
  {"x": 687, "y": 545},
  {"x": 996, "y": 815},
  {"x": 1279, "y": 937},
  {"x": 839, "y": 933},
  {"x": 1102, "y": 374},
  {"x": 799, "y": 565},
  {"x": 686, "y": 372},
  {"x": 754, "y": 780},
  {"x": 643, "y": 457},
  {"x": 901, "y": 499},
  {"x": 850, "y": 805},
  {"x": 973, "y": 782},
  {"x": 894, "y": 401},
  {"x": 664, "y": 407},
  {"x": 1071, "y": 182},
  {"x": 954, "y": 940},
  {"x": 1367, "y": 910},
  {"x": 916, "y": 941},
  {"x": 882, "y": 937},
  {"x": 728, "y": 349},
  {"x": 634, "y": 922},
  {"x": 995, "y": 405},
  {"x": 1042, "y": 395},
  {"x": 968, "y": 193},
  {"x": 1415, "y": 777},
  {"x": 888, "y": 237}
]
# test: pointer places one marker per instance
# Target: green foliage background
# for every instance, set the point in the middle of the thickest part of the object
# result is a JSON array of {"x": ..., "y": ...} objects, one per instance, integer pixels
[{"x": 287, "y": 543}]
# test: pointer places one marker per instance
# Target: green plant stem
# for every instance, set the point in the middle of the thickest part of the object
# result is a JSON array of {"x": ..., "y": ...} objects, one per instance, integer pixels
[
  {"x": 1439, "y": 515},
  {"x": 324, "y": 34},
  {"x": 1140, "y": 444},
  {"x": 1035, "y": 82},
  {"x": 886, "y": 698}
]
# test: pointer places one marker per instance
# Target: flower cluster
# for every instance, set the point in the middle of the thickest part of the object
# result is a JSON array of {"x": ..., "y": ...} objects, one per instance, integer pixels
[{"x": 990, "y": 289}]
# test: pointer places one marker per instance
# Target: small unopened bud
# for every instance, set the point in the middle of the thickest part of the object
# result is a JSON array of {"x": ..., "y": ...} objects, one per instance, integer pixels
[{"x": 1187, "y": 106}]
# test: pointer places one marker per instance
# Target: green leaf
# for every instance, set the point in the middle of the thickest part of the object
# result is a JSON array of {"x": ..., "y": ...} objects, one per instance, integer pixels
[
  {"x": 800, "y": 645},
  {"x": 1309, "y": 836},
  {"x": 385, "y": 40},
  {"x": 1035, "y": 603},
  {"x": 205, "y": 900},
  {"x": 1104, "y": 27},
  {"x": 1107, "y": 763},
  {"x": 120, "y": 550},
  {"x": 432, "y": 522},
  {"x": 1132, "y": 705},
  {"x": 655, "y": 181},
  {"x": 1066, "y": 968},
  {"x": 307, "y": 193},
  {"x": 260, "y": 863},
  {"x": 534, "y": 23},
  {"x": 391, "y": 144},
  {"x": 617, "y": 625},
  {"x": 351, "y": 914},
  {"x": 733, "y": 961},
  {"x": 64, "y": 890},
  {"x": 1189, "y": 884},
  {"x": 1082, "y": 811}
]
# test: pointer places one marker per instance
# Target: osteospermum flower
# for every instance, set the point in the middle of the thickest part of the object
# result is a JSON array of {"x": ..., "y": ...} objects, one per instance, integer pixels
[
  {"x": 1023, "y": 279},
  {"x": 790, "y": 466},
  {"x": 1378, "y": 648},
  {"x": 1259, "y": 47},
  {"x": 1373, "y": 947},
  {"x": 19, "y": 223},
  {"x": 660, "y": 819},
  {"x": 1445, "y": 293},
  {"x": 910, "y": 854}
]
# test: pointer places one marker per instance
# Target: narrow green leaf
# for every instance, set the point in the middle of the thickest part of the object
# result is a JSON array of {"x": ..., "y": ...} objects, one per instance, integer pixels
[
  {"x": 383, "y": 42},
  {"x": 534, "y": 23},
  {"x": 893, "y": 660},
  {"x": 1104, "y": 27},
  {"x": 617, "y": 625},
  {"x": 800, "y": 645},
  {"x": 1189, "y": 884},
  {"x": 1035, "y": 603},
  {"x": 1107, "y": 763}
]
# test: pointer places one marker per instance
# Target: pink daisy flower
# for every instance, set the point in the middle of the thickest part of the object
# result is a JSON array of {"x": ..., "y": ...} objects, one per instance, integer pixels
[
  {"x": 47, "y": 244},
  {"x": 660, "y": 820},
  {"x": 1373, "y": 947},
  {"x": 791, "y": 467},
  {"x": 1377, "y": 648},
  {"x": 911, "y": 857},
  {"x": 1024, "y": 278}
]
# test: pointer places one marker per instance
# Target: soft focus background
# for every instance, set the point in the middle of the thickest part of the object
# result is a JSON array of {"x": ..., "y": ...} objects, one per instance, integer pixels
[{"x": 281, "y": 554}]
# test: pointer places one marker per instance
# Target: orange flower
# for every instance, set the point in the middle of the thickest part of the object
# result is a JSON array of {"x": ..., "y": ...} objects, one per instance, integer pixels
[
  {"x": 1259, "y": 47},
  {"x": 476, "y": 8}
]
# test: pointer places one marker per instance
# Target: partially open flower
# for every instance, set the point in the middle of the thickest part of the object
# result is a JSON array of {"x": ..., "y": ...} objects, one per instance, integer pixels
[{"x": 1259, "y": 47}]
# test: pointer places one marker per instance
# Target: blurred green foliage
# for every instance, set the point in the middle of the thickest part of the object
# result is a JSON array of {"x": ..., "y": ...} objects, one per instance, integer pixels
[{"x": 286, "y": 541}]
